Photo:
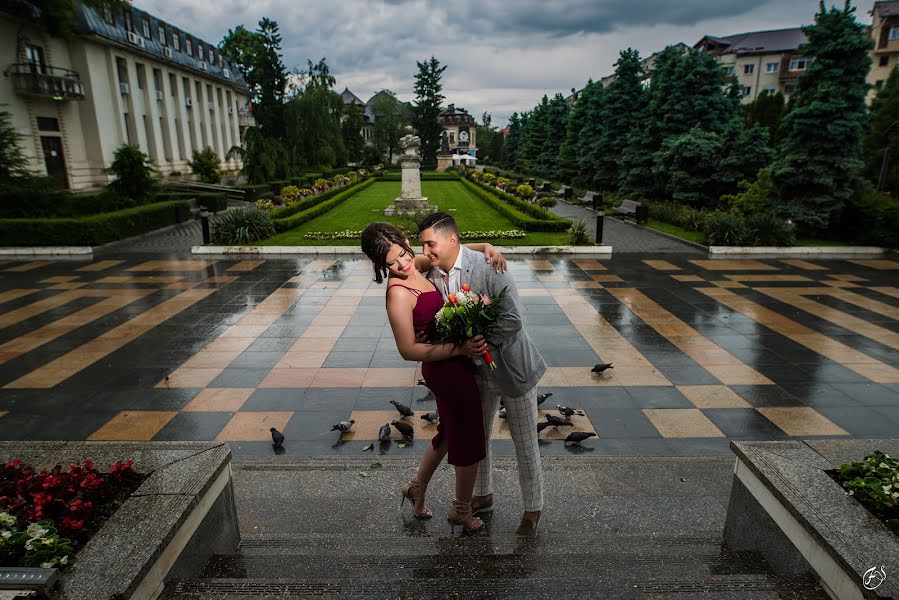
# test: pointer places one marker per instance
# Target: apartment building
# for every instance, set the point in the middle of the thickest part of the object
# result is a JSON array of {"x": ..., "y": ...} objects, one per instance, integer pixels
[
  {"x": 760, "y": 61},
  {"x": 124, "y": 77},
  {"x": 884, "y": 31}
]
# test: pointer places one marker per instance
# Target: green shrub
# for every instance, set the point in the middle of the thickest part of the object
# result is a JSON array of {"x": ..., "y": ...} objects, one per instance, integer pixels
[
  {"x": 524, "y": 191},
  {"x": 213, "y": 201},
  {"x": 300, "y": 212},
  {"x": 528, "y": 208},
  {"x": 205, "y": 164},
  {"x": 295, "y": 207},
  {"x": 546, "y": 201},
  {"x": 578, "y": 234},
  {"x": 24, "y": 203},
  {"x": 685, "y": 217},
  {"x": 871, "y": 218},
  {"x": 242, "y": 226},
  {"x": 874, "y": 483},
  {"x": 529, "y": 217},
  {"x": 726, "y": 229},
  {"x": 767, "y": 229},
  {"x": 93, "y": 230},
  {"x": 253, "y": 191},
  {"x": 755, "y": 198},
  {"x": 133, "y": 171}
]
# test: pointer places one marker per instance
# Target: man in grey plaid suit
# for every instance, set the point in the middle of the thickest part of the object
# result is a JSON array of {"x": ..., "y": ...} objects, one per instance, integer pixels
[{"x": 519, "y": 365}]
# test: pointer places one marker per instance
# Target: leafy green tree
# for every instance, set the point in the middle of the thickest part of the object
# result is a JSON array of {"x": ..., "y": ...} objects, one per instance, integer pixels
[
  {"x": 205, "y": 164},
  {"x": 556, "y": 121},
  {"x": 490, "y": 141},
  {"x": 428, "y": 100},
  {"x": 517, "y": 125},
  {"x": 314, "y": 132},
  {"x": 880, "y": 137},
  {"x": 616, "y": 114},
  {"x": 818, "y": 160},
  {"x": 767, "y": 111},
  {"x": 390, "y": 119},
  {"x": 133, "y": 172},
  {"x": 533, "y": 138},
  {"x": 243, "y": 48},
  {"x": 352, "y": 124},
  {"x": 264, "y": 159}
]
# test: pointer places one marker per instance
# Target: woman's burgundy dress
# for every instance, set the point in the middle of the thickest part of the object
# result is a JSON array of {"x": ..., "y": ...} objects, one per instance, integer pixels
[{"x": 453, "y": 384}]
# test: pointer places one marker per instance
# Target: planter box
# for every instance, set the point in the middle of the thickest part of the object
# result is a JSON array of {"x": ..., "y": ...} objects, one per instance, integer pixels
[
  {"x": 785, "y": 506},
  {"x": 169, "y": 527}
]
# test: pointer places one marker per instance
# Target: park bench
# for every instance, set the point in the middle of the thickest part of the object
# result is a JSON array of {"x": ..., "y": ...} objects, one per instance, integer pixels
[
  {"x": 564, "y": 193},
  {"x": 545, "y": 188},
  {"x": 631, "y": 208},
  {"x": 590, "y": 199},
  {"x": 533, "y": 183}
]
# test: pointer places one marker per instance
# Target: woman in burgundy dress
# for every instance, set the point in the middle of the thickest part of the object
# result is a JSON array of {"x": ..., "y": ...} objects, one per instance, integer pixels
[{"x": 412, "y": 303}]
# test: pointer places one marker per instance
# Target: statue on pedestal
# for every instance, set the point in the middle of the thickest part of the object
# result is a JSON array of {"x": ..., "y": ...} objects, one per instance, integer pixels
[
  {"x": 411, "y": 201},
  {"x": 410, "y": 144}
]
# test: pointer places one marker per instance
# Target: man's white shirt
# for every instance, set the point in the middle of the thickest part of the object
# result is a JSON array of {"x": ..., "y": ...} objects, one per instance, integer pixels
[{"x": 448, "y": 283}]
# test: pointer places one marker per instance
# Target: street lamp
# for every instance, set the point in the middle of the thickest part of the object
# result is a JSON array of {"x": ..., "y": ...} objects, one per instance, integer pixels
[{"x": 890, "y": 132}]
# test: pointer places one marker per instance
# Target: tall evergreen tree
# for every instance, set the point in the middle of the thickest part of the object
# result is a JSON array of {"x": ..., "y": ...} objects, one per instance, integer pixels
[
  {"x": 269, "y": 111},
  {"x": 818, "y": 159},
  {"x": 570, "y": 150},
  {"x": 767, "y": 111},
  {"x": 351, "y": 126},
  {"x": 616, "y": 115},
  {"x": 428, "y": 100},
  {"x": 513, "y": 140},
  {"x": 879, "y": 137},
  {"x": 533, "y": 138},
  {"x": 556, "y": 120}
]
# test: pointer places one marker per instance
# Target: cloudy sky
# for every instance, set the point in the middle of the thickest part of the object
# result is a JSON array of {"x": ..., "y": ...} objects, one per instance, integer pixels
[{"x": 501, "y": 56}]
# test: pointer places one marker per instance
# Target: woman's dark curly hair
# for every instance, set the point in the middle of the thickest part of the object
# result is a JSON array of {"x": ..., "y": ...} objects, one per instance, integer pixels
[{"x": 377, "y": 239}]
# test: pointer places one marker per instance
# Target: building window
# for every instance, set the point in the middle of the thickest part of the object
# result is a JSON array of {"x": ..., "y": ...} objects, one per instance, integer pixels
[
  {"x": 747, "y": 90},
  {"x": 129, "y": 21},
  {"x": 162, "y": 35},
  {"x": 729, "y": 70},
  {"x": 894, "y": 33},
  {"x": 878, "y": 84},
  {"x": 772, "y": 67},
  {"x": 146, "y": 27},
  {"x": 799, "y": 63},
  {"x": 770, "y": 90},
  {"x": 176, "y": 40},
  {"x": 748, "y": 69},
  {"x": 199, "y": 50},
  {"x": 221, "y": 61},
  {"x": 884, "y": 60},
  {"x": 34, "y": 57},
  {"x": 452, "y": 137},
  {"x": 47, "y": 124},
  {"x": 188, "y": 47},
  {"x": 141, "y": 76},
  {"x": 211, "y": 55},
  {"x": 173, "y": 85}
]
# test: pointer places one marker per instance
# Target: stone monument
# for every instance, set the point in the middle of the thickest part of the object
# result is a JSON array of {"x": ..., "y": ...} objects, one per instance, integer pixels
[
  {"x": 444, "y": 157},
  {"x": 410, "y": 201}
]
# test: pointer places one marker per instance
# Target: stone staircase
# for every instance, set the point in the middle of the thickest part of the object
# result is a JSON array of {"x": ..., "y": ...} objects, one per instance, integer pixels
[{"x": 330, "y": 549}]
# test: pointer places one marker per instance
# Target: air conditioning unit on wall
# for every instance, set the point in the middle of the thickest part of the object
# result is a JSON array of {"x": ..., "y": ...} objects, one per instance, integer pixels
[
  {"x": 203, "y": 66},
  {"x": 167, "y": 51},
  {"x": 159, "y": 95},
  {"x": 226, "y": 73},
  {"x": 135, "y": 39},
  {"x": 188, "y": 102},
  {"x": 125, "y": 89},
  {"x": 211, "y": 106}
]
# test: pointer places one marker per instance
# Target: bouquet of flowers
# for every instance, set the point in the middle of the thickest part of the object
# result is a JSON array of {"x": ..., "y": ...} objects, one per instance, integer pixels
[{"x": 466, "y": 314}]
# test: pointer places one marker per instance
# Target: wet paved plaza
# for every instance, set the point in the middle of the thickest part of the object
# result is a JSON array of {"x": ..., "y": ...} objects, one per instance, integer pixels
[{"x": 136, "y": 347}]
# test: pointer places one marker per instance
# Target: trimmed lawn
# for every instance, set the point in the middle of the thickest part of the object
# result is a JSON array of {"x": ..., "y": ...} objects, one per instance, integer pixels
[
  {"x": 692, "y": 236},
  {"x": 368, "y": 205}
]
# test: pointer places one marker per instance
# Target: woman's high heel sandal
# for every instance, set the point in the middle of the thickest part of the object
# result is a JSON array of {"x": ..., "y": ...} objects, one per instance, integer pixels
[
  {"x": 460, "y": 514},
  {"x": 414, "y": 490}
]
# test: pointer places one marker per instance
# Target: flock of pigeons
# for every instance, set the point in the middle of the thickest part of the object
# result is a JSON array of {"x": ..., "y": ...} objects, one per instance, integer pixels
[{"x": 408, "y": 433}]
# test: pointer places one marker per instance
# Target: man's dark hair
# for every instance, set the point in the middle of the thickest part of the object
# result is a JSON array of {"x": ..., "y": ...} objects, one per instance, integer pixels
[{"x": 441, "y": 222}]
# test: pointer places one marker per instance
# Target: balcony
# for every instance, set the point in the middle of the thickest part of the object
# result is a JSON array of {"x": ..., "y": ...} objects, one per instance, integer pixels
[
  {"x": 245, "y": 119},
  {"x": 45, "y": 82}
]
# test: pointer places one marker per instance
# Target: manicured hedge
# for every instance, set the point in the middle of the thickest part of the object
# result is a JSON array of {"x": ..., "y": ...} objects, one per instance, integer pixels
[
  {"x": 425, "y": 176},
  {"x": 872, "y": 218},
  {"x": 319, "y": 208},
  {"x": 51, "y": 204},
  {"x": 529, "y": 217},
  {"x": 252, "y": 192},
  {"x": 292, "y": 209},
  {"x": 93, "y": 230}
]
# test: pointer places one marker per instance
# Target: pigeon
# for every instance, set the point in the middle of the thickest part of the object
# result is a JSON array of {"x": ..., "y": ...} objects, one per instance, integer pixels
[
  {"x": 542, "y": 426},
  {"x": 576, "y": 437},
  {"x": 404, "y": 410},
  {"x": 343, "y": 426},
  {"x": 502, "y": 413},
  {"x": 558, "y": 421},
  {"x": 601, "y": 367},
  {"x": 277, "y": 438},
  {"x": 567, "y": 412},
  {"x": 542, "y": 398},
  {"x": 431, "y": 416},
  {"x": 384, "y": 432},
  {"x": 404, "y": 428}
]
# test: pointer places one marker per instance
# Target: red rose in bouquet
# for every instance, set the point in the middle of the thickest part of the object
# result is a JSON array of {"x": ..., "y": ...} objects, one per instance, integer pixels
[{"x": 466, "y": 314}]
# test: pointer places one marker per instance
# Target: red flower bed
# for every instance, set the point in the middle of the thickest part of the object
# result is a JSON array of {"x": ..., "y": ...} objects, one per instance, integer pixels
[{"x": 77, "y": 500}]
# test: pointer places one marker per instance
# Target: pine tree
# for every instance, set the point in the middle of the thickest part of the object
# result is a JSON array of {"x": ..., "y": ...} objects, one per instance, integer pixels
[
  {"x": 767, "y": 111},
  {"x": 617, "y": 113},
  {"x": 428, "y": 101},
  {"x": 818, "y": 159},
  {"x": 533, "y": 139},
  {"x": 570, "y": 150},
  {"x": 513, "y": 140},
  {"x": 746, "y": 151},
  {"x": 269, "y": 110},
  {"x": 556, "y": 120},
  {"x": 879, "y": 137}
]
